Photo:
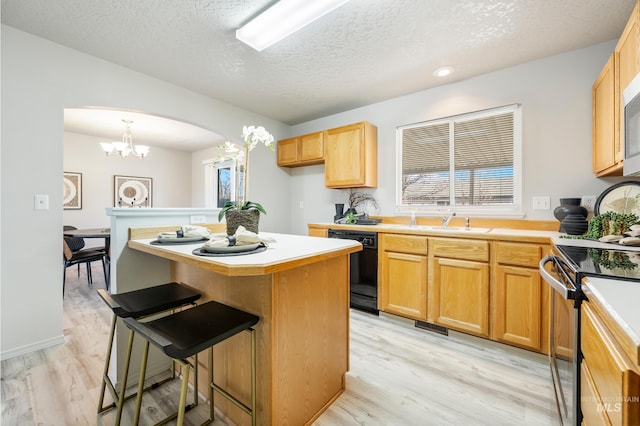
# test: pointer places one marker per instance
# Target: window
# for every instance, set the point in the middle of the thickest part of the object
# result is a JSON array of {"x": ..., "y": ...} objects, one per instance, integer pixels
[
  {"x": 221, "y": 179},
  {"x": 467, "y": 163}
]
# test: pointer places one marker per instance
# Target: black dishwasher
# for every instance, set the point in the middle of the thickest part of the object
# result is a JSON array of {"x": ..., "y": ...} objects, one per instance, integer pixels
[{"x": 364, "y": 269}]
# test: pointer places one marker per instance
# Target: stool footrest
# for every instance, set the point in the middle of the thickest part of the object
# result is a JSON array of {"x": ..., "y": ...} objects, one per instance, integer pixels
[{"x": 232, "y": 398}]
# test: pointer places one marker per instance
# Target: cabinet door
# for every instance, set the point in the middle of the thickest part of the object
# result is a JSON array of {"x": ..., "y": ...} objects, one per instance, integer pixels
[
  {"x": 518, "y": 301},
  {"x": 593, "y": 412},
  {"x": 351, "y": 156},
  {"x": 616, "y": 383},
  {"x": 311, "y": 148},
  {"x": 287, "y": 151},
  {"x": 461, "y": 295},
  {"x": 403, "y": 284},
  {"x": 607, "y": 150},
  {"x": 562, "y": 324}
]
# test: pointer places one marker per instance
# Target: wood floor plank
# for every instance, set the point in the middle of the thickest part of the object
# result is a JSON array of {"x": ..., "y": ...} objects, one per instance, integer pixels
[{"x": 400, "y": 375}]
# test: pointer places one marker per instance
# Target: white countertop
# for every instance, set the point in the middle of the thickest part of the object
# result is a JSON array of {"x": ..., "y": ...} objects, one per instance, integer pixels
[
  {"x": 621, "y": 298},
  {"x": 286, "y": 248}
]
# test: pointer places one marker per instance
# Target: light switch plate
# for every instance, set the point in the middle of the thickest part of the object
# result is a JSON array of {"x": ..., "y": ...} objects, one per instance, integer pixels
[
  {"x": 542, "y": 203},
  {"x": 41, "y": 202}
]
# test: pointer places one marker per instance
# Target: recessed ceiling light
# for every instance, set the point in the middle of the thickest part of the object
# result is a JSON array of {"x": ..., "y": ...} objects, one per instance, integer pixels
[{"x": 443, "y": 71}]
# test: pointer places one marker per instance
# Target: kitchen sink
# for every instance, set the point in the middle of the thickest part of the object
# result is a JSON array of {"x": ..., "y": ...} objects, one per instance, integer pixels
[
  {"x": 440, "y": 228},
  {"x": 456, "y": 229}
]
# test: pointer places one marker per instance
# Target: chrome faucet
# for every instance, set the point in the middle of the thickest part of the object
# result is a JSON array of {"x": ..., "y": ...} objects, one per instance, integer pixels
[{"x": 447, "y": 219}]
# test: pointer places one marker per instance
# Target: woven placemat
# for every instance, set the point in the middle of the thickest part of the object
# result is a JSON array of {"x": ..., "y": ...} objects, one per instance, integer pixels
[{"x": 200, "y": 252}]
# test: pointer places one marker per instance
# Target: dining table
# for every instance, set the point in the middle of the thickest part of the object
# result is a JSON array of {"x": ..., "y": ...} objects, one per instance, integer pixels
[{"x": 92, "y": 233}]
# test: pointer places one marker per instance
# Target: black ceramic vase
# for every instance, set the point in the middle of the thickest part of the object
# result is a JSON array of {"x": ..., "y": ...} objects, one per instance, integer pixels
[{"x": 572, "y": 216}]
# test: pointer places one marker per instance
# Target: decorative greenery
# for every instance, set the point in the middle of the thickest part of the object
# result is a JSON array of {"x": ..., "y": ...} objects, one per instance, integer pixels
[
  {"x": 609, "y": 223},
  {"x": 252, "y": 136},
  {"x": 351, "y": 218},
  {"x": 611, "y": 259},
  {"x": 233, "y": 205}
]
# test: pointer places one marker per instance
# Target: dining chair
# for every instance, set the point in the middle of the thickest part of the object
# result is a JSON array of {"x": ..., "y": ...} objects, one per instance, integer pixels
[{"x": 71, "y": 258}]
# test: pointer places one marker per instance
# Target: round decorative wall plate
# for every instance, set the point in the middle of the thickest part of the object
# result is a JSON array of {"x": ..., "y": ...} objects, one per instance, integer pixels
[{"x": 622, "y": 197}]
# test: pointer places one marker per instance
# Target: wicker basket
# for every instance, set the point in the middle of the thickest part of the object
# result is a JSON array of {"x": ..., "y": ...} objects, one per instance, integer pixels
[{"x": 247, "y": 218}]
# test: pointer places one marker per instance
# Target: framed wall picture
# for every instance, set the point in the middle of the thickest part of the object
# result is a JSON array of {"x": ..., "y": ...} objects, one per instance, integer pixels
[
  {"x": 132, "y": 191},
  {"x": 72, "y": 191}
]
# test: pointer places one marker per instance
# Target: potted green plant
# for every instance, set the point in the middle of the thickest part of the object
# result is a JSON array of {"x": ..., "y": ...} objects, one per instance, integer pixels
[{"x": 241, "y": 212}]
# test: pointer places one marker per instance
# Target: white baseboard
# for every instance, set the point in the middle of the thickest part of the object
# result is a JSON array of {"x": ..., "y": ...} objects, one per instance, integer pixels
[{"x": 22, "y": 350}]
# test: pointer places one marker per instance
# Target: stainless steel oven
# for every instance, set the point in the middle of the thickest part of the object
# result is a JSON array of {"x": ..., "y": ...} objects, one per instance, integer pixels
[
  {"x": 363, "y": 270},
  {"x": 564, "y": 336},
  {"x": 564, "y": 273}
]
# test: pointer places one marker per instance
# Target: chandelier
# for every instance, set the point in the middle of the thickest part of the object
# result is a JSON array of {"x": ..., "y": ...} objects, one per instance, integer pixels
[{"x": 125, "y": 147}]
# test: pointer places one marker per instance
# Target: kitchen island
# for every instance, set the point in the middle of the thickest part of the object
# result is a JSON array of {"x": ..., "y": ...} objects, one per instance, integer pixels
[{"x": 299, "y": 287}]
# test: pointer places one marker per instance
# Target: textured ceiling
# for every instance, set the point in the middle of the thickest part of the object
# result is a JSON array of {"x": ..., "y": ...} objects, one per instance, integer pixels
[{"x": 363, "y": 52}]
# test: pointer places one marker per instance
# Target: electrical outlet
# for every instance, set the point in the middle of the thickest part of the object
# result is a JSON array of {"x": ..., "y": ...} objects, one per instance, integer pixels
[
  {"x": 198, "y": 219},
  {"x": 589, "y": 202},
  {"x": 542, "y": 203}
]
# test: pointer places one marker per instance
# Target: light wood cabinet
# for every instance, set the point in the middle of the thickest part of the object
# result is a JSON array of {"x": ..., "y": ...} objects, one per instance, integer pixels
[
  {"x": 301, "y": 151},
  {"x": 518, "y": 296},
  {"x": 610, "y": 391},
  {"x": 351, "y": 156},
  {"x": 607, "y": 149},
  {"x": 402, "y": 275},
  {"x": 317, "y": 232},
  {"x": 460, "y": 284},
  {"x": 607, "y": 100}
]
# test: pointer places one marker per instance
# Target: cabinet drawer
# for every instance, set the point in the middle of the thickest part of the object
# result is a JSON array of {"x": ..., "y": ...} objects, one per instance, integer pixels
[
  {"x": 458, "y": 248},
  {"x": 593, "y": 410},
  {"x": 612, "y": 374},
  {"x": 404, "y": 243},
  {"x": 518, "y": 254}
]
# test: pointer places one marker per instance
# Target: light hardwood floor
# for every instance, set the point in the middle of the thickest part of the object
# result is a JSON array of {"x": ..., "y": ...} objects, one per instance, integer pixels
[{"x": 399, "y": 375}]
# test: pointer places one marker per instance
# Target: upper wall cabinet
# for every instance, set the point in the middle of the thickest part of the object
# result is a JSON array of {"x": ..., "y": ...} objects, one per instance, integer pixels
[
  {"x": 607, "y": 150},
  {"x": 301, "y": 151},
  {"x": 351, "y": 156},
  {"x": 608, "y": 117}
]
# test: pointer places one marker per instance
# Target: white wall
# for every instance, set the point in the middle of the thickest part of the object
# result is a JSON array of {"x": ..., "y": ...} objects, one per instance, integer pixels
[
  {"x": 40, "y": 79},
  {"x": 171, "y": 186},
  {"x": 555, "y": 94}
]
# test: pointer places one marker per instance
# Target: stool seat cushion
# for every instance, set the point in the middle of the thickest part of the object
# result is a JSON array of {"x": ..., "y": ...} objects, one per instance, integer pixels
[
  {"x": 188, "y": 332},
  {"x": 148, "y": 301}
]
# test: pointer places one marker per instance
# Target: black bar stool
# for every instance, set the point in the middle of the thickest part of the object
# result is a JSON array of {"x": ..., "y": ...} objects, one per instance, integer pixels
[
  {"x": 184, "y": 334},
  {"x": 137, "y": 304}
]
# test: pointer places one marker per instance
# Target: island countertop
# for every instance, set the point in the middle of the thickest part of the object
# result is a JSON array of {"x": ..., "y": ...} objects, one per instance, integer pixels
[{"x": 288, "y": 251}]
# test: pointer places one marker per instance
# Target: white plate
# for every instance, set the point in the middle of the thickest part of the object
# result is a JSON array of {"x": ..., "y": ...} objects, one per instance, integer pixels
[
  {"x": 230, "y": 249},
  {"x": 181, "y": 240}
]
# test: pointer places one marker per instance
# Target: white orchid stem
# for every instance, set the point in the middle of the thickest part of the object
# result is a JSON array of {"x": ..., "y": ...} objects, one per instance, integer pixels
[{"x": 245, "y": 182}]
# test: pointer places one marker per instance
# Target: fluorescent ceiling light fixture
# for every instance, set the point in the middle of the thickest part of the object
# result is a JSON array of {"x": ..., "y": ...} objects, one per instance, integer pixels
[
  {"x": 283, "y": 19},
  {"x": 443, "y": 71}
]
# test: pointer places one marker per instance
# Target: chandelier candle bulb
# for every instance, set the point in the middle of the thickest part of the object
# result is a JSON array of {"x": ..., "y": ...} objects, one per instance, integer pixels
[{"x": 126, "y": 146}]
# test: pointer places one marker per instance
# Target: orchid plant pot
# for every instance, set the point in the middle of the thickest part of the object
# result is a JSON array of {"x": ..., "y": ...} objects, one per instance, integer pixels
[{"x": 250, "y": 219}]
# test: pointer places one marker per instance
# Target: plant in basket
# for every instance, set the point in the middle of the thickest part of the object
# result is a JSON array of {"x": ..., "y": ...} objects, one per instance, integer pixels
[{"x": 241, "y": 212}]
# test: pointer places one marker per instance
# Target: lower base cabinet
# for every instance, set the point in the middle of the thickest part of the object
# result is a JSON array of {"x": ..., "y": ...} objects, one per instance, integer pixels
[
  {"x": 610, "y": 387},
  {"x": 519, "y": 296},
  {"x": 460, "y": 285},
  {"x": 402, "y": 275}
]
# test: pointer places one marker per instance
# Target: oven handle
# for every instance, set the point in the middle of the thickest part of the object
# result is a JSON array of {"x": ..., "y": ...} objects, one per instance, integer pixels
[{"x": 566, "y": 292}]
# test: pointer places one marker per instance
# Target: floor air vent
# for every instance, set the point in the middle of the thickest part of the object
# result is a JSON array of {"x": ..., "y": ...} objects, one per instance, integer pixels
[{"x": 432, "y": 327}]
